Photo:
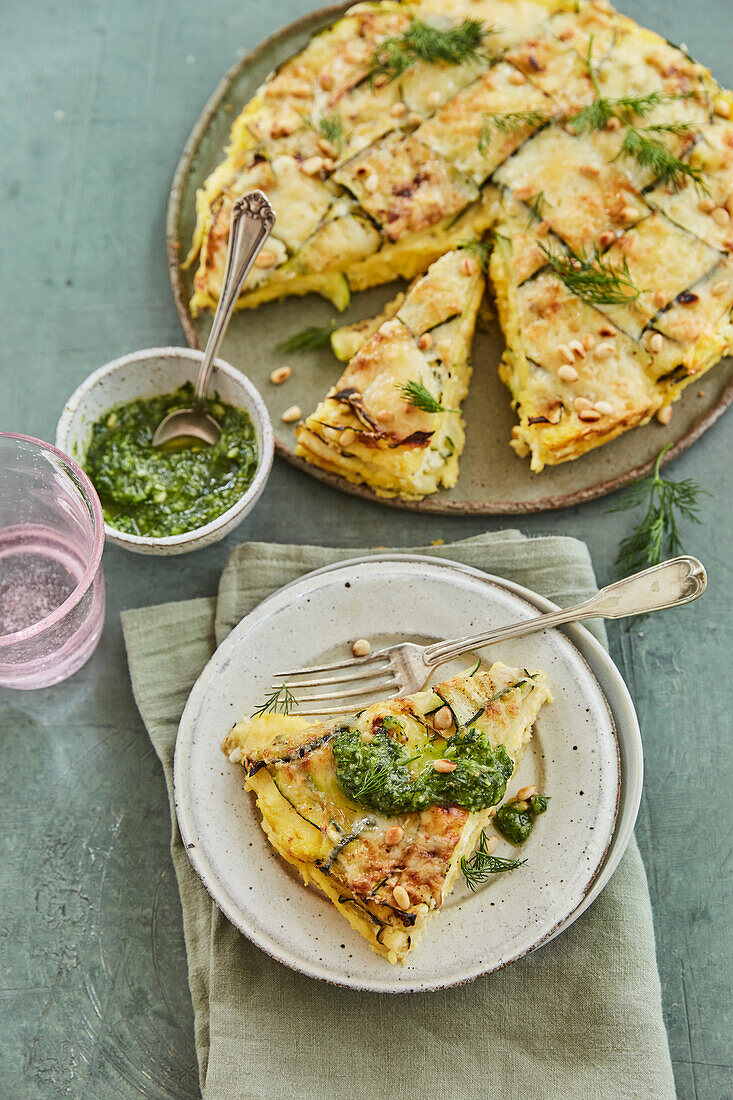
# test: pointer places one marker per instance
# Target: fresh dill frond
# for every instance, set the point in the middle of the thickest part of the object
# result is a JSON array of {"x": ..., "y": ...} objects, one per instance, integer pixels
[
  {"x": 422, "y": 42},
  {"x": 594, "y": 278},
  {"x": 513, "y": 122},
  {"x": 649, "y": 152},
  {"x": 597, "y": 115},
  {"x": 281, "y": 699},
  {"x": 658, "y": 535},
  {"x": 374, "y": 780},
  {"x": 420, "y": 397},
  {"x": 332, "y": 129},
  {"x": 480, "y": 249},
  {"x": 536, "y": 207},
  {"x": 309, "y": 339},
  {"x": 481, "y": 864}
]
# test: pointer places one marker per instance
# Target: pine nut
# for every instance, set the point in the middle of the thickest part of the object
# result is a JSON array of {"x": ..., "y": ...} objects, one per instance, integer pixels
[
  {"x": 326, "y": 147},
  {"x": 629, "y": 213},
  {"x": 606, "y": 330},
  {"x": 280, "y": 375},
  {"x": 266, "y": 259},
  {"x": 719, "y": 288},
  {"x": 235, "y": 756},
  {"x": 520, "y": 805},
  {"x": 605, "y": 408},
  {"x": 425, "y": 341},
  {"x": 432, "y": 99},
  {"x": 720, "y": 216},
  {"x": 567, "y": 373},
  {"x": 656, "y": 342},
  {"x": 312, "y": 165},
  {"x": 401, "y": 897},
  {"x": 516, "y": 78},
  {"x": 665, "y": 415},
  {"x": 604, "y": 351},
  {"x": 613, "y": 123},
  {"x": 292, "y": 414},
  {"x": 367, "y": 737},
  {"x": 589, "y": 415},
  {"x": 397, "y": 110},
  {"x": 381, "y": 80},
  {"x": 588, "y": 341},
  {"x": 660, "y": 298},
  {"x": 394, "y": 836},
  {"x": 566, "y": 353},
  {"x": 526, "y": 792},
  {"x": 491, "y": 844},
  {"x": 590, "y": 170},
  {"x": 721, "y": 107},
  {"x": 606, "y": 238},
  {"x": 347, "y": 437},
  {"x": 329, "y": 164},
  {"x": 371, "y": 183},
  {"x": 326, "y": 81},
  {"x": 542, "y": 229},
  {"x": 577, "y": 347},
  {"x": 706, "y": 205},
  {"x": 414, "y": 119},
  {"x": 443, "y": 719},
  {"x": 582, "y": 403},
  {"x": 361, "y": 647},
  {"x": 444, "y": 766}
]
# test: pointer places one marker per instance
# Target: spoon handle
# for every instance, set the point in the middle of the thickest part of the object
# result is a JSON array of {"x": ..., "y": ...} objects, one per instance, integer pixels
[{"x": 251, "y": 224}]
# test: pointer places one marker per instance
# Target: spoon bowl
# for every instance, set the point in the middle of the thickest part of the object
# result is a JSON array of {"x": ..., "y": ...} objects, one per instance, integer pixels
[{"x": 184, "y": 427}]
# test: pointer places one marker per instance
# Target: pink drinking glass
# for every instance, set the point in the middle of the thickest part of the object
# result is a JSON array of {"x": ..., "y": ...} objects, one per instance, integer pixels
[{"x": 51, "y": 581}]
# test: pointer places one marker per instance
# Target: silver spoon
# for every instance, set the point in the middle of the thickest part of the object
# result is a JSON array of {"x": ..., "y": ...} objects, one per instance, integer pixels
[{"x": 251, "y": 225}]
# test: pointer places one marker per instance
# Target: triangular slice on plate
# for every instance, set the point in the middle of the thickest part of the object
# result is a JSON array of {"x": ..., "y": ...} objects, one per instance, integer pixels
[
  {"x": 393, "y": 420},
  {"x": 378, "y": 810}
]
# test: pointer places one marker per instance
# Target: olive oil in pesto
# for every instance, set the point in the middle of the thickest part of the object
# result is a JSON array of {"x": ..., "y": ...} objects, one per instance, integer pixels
[{"x": 157, "y": 493}]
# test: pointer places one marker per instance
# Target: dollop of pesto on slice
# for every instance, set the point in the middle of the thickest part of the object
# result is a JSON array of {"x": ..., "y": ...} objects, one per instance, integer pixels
[
  {"x": 379, "y": 775},
  {"x": 515, "y": 819},
  {"x": 149, "y": 492}
]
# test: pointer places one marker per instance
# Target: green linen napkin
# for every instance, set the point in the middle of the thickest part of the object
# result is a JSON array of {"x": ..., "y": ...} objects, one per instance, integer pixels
[{"x": 580, "y": 1017}]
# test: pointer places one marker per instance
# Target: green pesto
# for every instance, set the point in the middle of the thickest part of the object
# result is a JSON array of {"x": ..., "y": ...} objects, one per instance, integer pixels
[
  {"x": 380, "y": 776},
  {"x": 149, "y": 492},
  {"x": 515, "y": 820}
]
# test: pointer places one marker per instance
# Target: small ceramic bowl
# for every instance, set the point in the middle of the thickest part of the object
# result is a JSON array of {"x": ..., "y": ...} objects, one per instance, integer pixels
[{"x": 146, "y": 374}]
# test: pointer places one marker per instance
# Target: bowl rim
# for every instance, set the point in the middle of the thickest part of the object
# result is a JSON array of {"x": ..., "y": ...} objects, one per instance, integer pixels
[
  {"x": 86, "y": 489},
  {"x": 254, "y": 405}
]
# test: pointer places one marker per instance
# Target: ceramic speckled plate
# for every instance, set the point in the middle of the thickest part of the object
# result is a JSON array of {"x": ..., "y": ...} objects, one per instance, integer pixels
[
  {"x": 493, "y": 480},
  {"x": 585, "y": 753}
]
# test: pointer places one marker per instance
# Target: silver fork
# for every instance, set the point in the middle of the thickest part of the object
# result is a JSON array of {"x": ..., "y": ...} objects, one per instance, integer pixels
[{"x": 405, "y": 668}]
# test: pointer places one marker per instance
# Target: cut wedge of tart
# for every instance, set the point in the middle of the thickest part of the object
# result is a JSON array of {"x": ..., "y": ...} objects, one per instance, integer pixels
[
  {"x": 378, "y": 810},
  {"x": 393, "y": 420}
]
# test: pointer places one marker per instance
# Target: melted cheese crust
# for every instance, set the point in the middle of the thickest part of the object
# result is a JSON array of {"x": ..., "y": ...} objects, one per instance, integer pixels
[{"x": 341, "y": 847}]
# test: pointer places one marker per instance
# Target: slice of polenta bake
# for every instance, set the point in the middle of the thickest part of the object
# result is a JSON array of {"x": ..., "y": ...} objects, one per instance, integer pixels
[
  {"x": 378, "y": 810},
  {"x": 393, "y": 421}
]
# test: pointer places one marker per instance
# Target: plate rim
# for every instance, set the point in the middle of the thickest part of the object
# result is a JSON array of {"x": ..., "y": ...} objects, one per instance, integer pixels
[
  {"x": 433, "y": 504},
  {"x": 627, "y": 736}
]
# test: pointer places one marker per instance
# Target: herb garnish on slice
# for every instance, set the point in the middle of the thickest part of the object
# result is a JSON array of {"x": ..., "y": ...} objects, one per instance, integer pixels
[
  {"x": 309, "y": 339},
  {"x": 658, "y": 535},
  {"x": 593, "y": 278},
  {"x": 480, "y": 249},
  {"x": 513, "y": 122},
  {"x": 420, "y": 397},
  {"x": 482, "y": 864},
  {"x": 332, "y": 129},
  {"x": 422, "y": 42}
]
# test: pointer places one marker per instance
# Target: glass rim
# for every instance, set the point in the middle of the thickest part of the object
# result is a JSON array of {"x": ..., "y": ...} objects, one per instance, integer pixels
[{"x": 89, "y": 494}]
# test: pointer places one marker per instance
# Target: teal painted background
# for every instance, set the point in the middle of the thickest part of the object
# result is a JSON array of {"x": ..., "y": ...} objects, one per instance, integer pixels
[{"x": 97, "y": 100}]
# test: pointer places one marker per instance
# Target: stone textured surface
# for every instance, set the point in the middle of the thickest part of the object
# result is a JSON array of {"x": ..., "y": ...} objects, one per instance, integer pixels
[{"x": 98, "y": 98}]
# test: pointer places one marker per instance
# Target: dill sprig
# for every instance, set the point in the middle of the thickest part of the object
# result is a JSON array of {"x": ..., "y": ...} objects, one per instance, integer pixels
[
  {"x": 281, "y": 699},
  {"x": 421, "y": 42},
  {"x": 420, "y": 397},
  {"x": 593, "y": 278},
  {"x": 482, "y": 864},
  {"x": 649, "y": 152},
  {"x": 513, "y": 122},
  {"x": 597, "y": 115},
  {"x": 332, "y": 129},
  {"x": 309, "y": 339},
  {"x": 658, "y": 535},
  {"x": 480, "y": 249},
  {"x": 536, "y": 206}
]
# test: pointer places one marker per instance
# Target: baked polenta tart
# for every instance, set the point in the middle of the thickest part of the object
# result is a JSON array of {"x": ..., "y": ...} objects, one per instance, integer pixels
[
  {"x": 379, "y": 810},
  {"x": 407, "y": 129},
  {"x": 393, "y": 419}
]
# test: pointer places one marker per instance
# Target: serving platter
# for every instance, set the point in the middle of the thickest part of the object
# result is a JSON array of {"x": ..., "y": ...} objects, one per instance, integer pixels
[
  {"x": 492, "y": 480},
  {"x": 585, "y": 753}
]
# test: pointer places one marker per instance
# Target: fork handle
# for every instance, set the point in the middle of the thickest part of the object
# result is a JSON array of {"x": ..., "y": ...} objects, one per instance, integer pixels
[{"x": 671, "y": 584}]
